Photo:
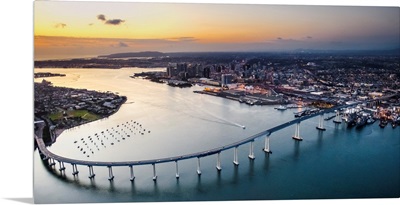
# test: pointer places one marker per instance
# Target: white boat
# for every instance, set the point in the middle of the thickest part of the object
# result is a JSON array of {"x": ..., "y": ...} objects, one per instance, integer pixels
[{"x": 281, "y": 107}]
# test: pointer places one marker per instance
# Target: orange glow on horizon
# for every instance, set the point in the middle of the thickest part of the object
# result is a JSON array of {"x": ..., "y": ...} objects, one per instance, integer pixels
[{"x": 173, "y": 27}]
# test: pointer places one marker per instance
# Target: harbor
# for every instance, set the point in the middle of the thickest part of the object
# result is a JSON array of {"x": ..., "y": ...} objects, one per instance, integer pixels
[
  {"x": 355, "y": 117},
  {"x": 242, "y": 97}
]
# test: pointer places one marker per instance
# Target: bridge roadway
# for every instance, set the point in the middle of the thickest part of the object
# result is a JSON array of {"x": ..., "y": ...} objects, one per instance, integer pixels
[{"x": 47, "y": 153}]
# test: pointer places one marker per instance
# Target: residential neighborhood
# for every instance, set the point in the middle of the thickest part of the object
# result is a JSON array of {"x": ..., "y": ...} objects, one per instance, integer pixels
[{"x": 64, "y": 108}]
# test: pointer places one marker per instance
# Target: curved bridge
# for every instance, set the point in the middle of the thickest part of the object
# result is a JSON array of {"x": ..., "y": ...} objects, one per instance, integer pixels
[{"x": 61, "y": 160}]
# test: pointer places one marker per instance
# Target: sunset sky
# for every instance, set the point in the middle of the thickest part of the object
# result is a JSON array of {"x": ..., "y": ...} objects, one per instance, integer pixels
[{"x": 81, "y": 29}]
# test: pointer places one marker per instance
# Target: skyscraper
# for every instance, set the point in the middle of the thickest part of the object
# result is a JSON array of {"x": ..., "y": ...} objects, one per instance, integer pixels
[{"x": 226, "y": 79}]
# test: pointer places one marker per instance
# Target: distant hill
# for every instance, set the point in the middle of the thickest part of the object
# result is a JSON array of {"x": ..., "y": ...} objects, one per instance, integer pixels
[
  {"x": 135, "y": 54},
  {"x": 392, "y": 51}
]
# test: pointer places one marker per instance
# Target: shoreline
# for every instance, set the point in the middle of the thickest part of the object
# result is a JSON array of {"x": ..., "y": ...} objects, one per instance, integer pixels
[{"x": 247, "y": 99}]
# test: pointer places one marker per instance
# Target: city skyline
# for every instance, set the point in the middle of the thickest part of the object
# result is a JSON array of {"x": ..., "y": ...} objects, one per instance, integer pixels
[{"x": 73, "y": 29}]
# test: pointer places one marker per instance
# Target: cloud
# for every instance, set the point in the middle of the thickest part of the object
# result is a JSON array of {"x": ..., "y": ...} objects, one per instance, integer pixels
[
  {"x": 285, "y": 40},
  {"x": 181, "y": 39},
  {"x": 186, "y": 39},
  {"x": 101, "y": 17},
  {"x": 280, "y": 39},
  {"x": 309, "y": 37},
  {"x": 60, "y": 25},
  {"x": 99, "y": 45},
  {"x": 115, "y": 21}
]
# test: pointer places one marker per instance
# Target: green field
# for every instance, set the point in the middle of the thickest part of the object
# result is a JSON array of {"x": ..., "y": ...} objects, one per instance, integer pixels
[{"x": 84, "y": 114}]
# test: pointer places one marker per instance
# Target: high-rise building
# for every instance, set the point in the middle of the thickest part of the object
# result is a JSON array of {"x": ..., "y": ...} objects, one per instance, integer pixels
[
  {"x": 206, "y": 72},
  {"x": 232, "y": 66},
  {"x": 182, "y": 67},
  {"x": 226, "y": 79},
  {"x": 171, "y": 70},
  {"x": 176, "y": 69},
  {"x": 218, "y": 69},
  {"x": 192, "y": 70}
]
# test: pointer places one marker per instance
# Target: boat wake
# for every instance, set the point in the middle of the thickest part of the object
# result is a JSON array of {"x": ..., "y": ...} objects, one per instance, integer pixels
[
  {"x": 216, "y": 119},
  {"x": 192, "y": 105},
  {"x": 223, "y": 121},
  {"x": 194, "y": 111}
]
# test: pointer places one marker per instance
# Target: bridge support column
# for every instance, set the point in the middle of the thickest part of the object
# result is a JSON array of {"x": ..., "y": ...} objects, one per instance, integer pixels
[
  {"x": 52, "y": 162},
  {"x": 132, "y": 174},
  {"x": 337, "y": 118},
  {"x": 177, "y": 170},
  {"x": 110, "y": 173},
  {"x": 219, "y": 161},
  {"x": 154, "y": 172},
  {"x": 321, "y": 123},
  {"x": 198, "y": 166},
  {"x": 266, "y": 145},
  {"x": 91, "y": 172},
  {"x": 62, "y": 168},
  {"x": 74, "y": 169},
  {"x": 297, "y": 133},
  {"x": 235, "y": 156},
  {"x": 251, "y": 153}
]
